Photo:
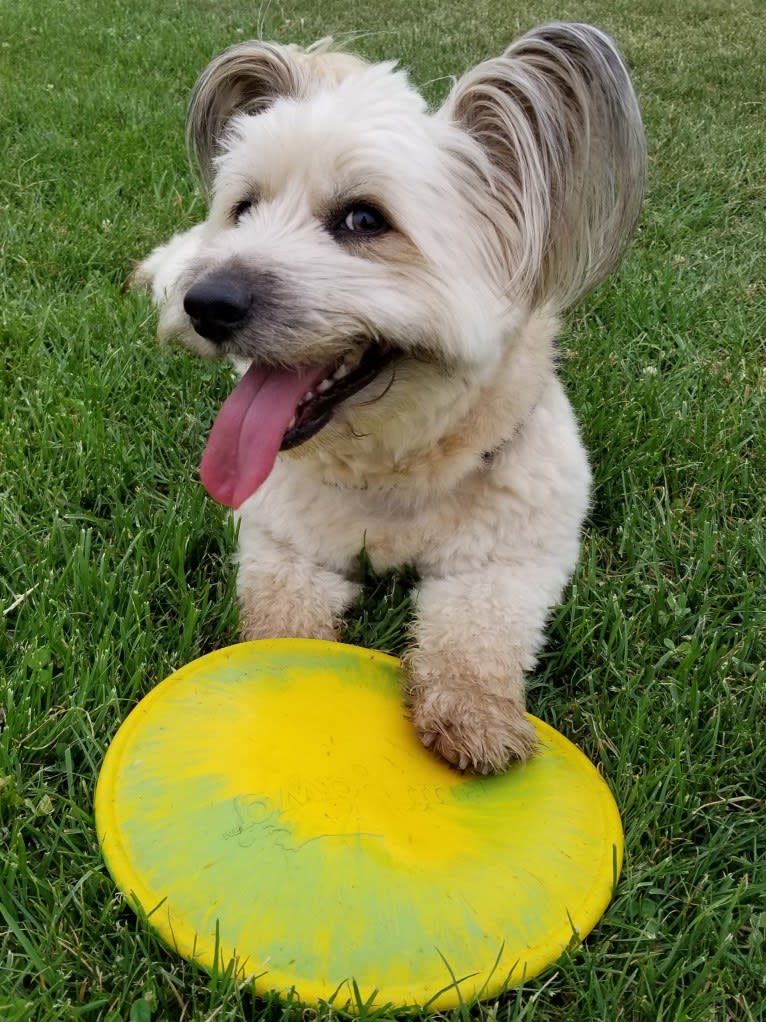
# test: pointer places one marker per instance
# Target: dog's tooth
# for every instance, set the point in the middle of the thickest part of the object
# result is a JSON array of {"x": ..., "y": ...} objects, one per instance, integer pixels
[
  {"x": 291, "y": 423},
  {"x": 324, "y": 386},
  {"x": 340, "y": 372},
  {"x": 308, "y": 397}
]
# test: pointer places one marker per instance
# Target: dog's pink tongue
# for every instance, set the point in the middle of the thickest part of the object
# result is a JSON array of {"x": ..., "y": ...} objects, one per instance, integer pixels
[{"x": 248, "y": 430}]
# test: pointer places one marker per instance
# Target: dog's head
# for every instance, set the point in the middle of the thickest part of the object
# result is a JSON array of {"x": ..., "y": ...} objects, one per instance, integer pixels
[{"x": 358, "y": 244}]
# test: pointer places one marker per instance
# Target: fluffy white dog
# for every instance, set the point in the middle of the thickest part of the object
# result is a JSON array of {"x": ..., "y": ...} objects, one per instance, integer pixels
[{"x": 388, "y": 281}]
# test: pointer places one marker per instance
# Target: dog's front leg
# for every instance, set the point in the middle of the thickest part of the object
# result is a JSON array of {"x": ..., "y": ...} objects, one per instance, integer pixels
[
  {"x": 475, "y": 634},
  {"x": 283, "y": 594}
]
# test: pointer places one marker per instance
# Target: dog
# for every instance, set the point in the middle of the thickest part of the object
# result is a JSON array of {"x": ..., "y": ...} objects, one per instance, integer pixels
[{"x": 389, "y": 283}]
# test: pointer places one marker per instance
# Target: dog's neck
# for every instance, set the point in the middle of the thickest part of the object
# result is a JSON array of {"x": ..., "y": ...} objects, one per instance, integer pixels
[{"x": 458, "y": 428}]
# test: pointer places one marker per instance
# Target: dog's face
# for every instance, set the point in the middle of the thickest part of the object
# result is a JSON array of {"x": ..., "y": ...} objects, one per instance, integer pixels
[{"x": 365, "y": 255}]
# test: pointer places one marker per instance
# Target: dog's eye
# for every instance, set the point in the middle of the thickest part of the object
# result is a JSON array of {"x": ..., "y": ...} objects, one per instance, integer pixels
[
  {"x": 238, "y": 211},
  {"x": 363, "y": 219}
]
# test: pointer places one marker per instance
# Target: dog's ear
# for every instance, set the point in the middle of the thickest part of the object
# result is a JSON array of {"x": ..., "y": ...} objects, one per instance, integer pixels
[
  {"x": 559, "y": 122},
  {"x": 246, "y": 78}
]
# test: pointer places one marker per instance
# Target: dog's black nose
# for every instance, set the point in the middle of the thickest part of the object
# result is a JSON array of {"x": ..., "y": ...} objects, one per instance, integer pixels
[{"x": 216, "y": 306}]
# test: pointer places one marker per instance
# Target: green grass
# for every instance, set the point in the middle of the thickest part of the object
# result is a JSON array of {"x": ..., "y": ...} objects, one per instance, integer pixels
[{"x": 115, "y": 567}]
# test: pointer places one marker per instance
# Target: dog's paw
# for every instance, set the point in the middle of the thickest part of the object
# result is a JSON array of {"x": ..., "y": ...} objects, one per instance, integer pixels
[
  {"x": 471, "y": 728},
  {"x": 285, "y": 605},
  {"x": 258, "y": 625}
]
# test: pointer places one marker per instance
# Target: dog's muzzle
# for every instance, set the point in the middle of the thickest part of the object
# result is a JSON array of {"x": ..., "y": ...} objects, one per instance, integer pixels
[{"x": 218, "y": 306}]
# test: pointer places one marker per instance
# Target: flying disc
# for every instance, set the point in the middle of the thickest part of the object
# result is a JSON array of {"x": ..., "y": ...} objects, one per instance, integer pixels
[{"x": 269, "y": 809}]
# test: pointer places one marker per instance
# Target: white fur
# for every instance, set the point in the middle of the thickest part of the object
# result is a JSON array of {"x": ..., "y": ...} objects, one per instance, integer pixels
[{"x": 464, "y": 459}]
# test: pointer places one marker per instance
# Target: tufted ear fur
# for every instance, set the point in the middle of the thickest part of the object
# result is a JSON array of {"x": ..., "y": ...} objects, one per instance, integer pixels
[
  {"x": 248, "y": 78},
  {"x": 558, "y": 120}
]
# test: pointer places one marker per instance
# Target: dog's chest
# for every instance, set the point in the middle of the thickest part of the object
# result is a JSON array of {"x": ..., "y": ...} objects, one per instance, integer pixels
[{"x": 332, "y": 525}]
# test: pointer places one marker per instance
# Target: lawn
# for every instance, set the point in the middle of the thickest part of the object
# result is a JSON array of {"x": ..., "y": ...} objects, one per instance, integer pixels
[{"x": 116, "y": 566}]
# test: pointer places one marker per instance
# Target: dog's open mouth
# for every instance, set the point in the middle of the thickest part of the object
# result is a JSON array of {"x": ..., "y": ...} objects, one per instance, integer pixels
[
  {"x": 315, "y": 408},
  {"x": 275, "y": 409}
]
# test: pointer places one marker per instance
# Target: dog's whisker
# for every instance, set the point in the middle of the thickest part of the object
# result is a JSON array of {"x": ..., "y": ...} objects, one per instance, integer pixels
[
  {"x": 356, "y": 435},
  {"x": 379, "y": 397}
]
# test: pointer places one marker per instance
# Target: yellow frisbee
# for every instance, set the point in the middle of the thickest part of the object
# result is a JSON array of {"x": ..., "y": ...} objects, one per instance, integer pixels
[{"x": 270, "y": 806}]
